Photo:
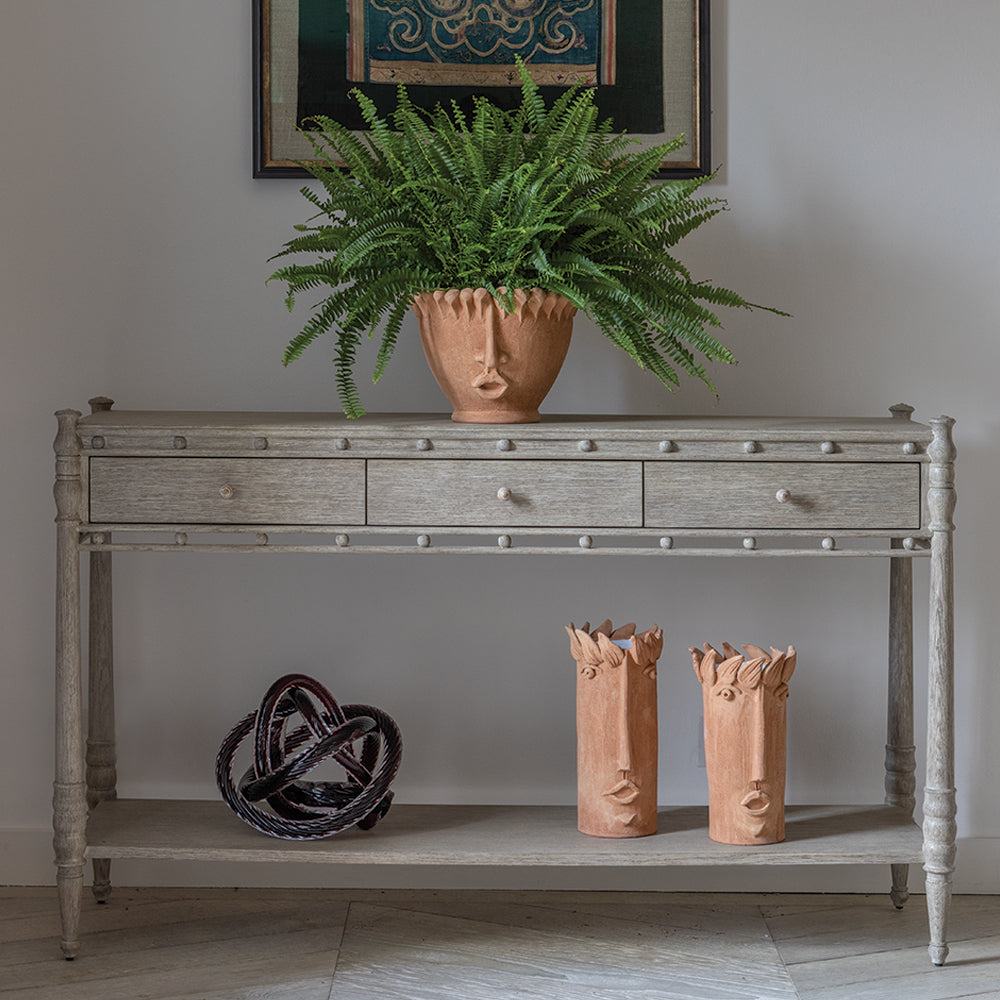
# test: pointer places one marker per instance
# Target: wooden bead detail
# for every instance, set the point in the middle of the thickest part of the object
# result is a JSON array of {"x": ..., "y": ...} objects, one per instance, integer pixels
[
  {"x": 341, "y": 444},
  {"x": 97, "y": 442},
  {"x": 587, "y": 445},
  {"x": 343, "y": 541},
  {"x": 829, "y": 544},
  {"x": 586, "y": 542},
  {"x": 504, "y": 541},
  {"x": 424, "y": 541},
  {"x": 909, "y": 544},
  {"x": 261, "y": 538},
  {"x": 666, "y": 542},
  {"x": 828, "y": 448},
  {"x": 751, "y": 447},
  {"x": 180, "y": 442},
  {"x": 97, "y": 538},
  {"x": 910, "y": 448},
  {"x": 181, "y": 538},
  {"x": 749, "y": 543},
  {"x": 260, "y": 443},
  {"x": 668, "y": 446},
  {"x": 505, "y": 444},
  {"x": 423, "y": 444}
]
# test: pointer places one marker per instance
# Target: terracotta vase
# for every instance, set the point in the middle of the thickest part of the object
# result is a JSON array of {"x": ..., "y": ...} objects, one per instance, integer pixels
[
  {"x": 616, "y": 741},
  {"x": 494, "y": 367},
  {"x": 744, "y": 702}
]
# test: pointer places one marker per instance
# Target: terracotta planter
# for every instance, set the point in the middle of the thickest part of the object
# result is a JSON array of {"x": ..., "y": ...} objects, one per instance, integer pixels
[
  {"x": 616, "y": 741},
  {"x": 744, "y": 701},
  {"x": 494, "y": 368}
]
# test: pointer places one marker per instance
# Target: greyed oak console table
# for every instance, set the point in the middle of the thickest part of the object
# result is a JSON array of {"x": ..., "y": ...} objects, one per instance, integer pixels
[{"x": 584, "y": 487}]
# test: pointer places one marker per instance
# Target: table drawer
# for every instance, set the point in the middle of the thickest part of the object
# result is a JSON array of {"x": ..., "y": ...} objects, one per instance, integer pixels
[
  {"x": 227, "y": 491},
  {"x": 506, "y": 493},
  {"x": 863, "y": 495}
]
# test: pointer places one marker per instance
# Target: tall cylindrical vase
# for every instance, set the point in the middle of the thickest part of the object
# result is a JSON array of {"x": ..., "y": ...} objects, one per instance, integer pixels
[
  {"x": 744, "y": 702},
  {"x": 616, "y": 738}
]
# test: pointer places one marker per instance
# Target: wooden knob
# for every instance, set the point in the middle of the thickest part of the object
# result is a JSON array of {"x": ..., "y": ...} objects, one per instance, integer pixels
[
  {"x": 227, "y": 492},
  {"x": 782, "y": 496},
  {"x": 503, "y": 493}
]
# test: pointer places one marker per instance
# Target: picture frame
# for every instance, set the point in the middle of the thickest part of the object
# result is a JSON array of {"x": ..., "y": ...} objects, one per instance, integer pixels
[{"x": 649, "y": 60}]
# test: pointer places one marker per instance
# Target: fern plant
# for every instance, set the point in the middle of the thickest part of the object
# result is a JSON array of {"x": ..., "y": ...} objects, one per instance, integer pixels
[{"x": 545, "y": 196}]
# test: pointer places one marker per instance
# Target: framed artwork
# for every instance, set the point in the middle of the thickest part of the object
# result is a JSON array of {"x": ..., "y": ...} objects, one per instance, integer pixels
[{"x": 647, "y": 59}]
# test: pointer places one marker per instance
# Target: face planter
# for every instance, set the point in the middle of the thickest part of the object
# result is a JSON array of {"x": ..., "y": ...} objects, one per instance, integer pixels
[
  {"x": 494, "y": 367},
  {"x": 616, "y": 741},
  {"x": 744, "y": 702}
]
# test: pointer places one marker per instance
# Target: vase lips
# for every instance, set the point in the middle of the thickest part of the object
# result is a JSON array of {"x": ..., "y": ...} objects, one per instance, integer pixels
[
  {"x": 756, "y": 802},
  {"x": 626, "y": 791}
]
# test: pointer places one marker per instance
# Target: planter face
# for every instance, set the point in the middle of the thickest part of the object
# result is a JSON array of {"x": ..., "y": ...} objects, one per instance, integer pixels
[
  {"x": 616, "y": 729},
  {"x": 493, "y": 367},
  {"x": 744, "y": 702}
]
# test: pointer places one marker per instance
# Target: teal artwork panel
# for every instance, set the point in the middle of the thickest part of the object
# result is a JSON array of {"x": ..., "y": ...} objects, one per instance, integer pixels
[{"x": 634, "y": 101}]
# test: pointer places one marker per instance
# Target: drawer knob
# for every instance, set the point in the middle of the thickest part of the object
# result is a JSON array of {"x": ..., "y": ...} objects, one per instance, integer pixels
[
  {"x": 504, "y": 493},
  {"x": 227, "y": 492},
  {"x": 782, "y": 496}
]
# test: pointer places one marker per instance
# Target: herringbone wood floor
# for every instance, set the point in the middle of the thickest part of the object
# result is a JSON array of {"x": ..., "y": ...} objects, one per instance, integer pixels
[{"x": 252, "y": 944}]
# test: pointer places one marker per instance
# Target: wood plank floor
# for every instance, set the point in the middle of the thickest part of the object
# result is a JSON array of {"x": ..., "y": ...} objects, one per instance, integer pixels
[{"x": 275, "y": 944}]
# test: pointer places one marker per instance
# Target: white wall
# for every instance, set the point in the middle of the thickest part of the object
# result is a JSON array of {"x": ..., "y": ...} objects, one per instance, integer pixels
[{"x": 858, "y": 144}]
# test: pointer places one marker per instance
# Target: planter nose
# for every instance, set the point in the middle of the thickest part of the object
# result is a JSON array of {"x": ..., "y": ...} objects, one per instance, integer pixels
[{"x": 494, "y": 367}]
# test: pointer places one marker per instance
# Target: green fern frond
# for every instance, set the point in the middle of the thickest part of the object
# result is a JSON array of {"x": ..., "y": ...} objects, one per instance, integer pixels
[{"x": 541, "y": 195}]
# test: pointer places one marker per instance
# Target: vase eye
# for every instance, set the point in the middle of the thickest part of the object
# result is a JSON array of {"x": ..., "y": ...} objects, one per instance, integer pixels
[
  {"x": 650, "y": 671},
  {"x": 589, "y": 672},
  {"x": 728, "y": 693}
]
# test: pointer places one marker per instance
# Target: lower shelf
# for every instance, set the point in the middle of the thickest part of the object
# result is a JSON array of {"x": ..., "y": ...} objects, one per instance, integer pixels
[{"x": 499, "y": 835}]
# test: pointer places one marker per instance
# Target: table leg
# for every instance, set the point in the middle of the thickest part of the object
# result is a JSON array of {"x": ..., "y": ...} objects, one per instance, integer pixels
[
  {"x": 69, "y": 817},
  {"x": 900, "y": 752},
  {"x": 939, "y": 795},
  {"x": 101, "y": 762}
]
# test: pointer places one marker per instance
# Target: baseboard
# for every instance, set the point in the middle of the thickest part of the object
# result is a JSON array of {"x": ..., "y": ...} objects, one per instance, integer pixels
[{"x": 26, "y": 859}]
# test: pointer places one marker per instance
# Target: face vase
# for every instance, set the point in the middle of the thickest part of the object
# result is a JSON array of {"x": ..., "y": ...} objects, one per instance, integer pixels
[
  {"x": 616, "y": 729},
  {"x": 744, "y": 702},
  {"x": 493, "y": 366}
]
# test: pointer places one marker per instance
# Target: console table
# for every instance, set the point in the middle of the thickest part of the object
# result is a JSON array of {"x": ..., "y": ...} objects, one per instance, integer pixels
[{"x": 582, "y": 487}]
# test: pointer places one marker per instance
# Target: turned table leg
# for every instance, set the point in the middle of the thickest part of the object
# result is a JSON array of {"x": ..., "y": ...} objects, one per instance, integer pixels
[
  {"x": 101, "y": 759},
  {"x": 939, "y": 794},
  {"x": 900, "y": 752},
  {"x": 69, "y": 803},
  {"x": 101, "y": 769}
]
